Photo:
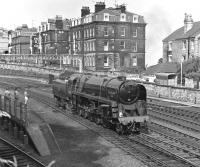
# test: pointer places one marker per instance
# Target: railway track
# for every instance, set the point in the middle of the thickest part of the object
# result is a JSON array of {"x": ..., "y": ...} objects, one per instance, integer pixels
[
  {"x": 8, "y": 151},
  {"x": 180, "y": 121},
  {"x": 177, "y": 110},
  {"x": 161, "y": 148},
  {"x": 140, "y": 146}
]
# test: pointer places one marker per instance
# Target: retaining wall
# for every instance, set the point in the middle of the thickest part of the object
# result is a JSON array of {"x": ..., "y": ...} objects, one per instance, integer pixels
[{"x": 177, "y": 93}]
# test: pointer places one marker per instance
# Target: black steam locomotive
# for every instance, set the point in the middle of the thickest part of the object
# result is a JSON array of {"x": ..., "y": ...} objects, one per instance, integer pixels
[{"x": 113, "y": 102}]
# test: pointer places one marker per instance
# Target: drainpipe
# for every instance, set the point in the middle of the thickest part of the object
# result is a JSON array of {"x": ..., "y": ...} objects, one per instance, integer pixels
[{"x": 188, "y": 48}]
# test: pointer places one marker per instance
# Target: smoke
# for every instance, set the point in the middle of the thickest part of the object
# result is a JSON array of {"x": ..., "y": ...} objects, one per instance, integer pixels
[{"x": 158, "y": 27}]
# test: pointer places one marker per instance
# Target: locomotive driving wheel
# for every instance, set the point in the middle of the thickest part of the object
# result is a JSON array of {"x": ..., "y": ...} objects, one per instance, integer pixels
[{"x": 119, "y": 129}]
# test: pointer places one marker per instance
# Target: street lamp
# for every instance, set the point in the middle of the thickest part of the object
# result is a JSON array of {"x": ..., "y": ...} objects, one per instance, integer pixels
[{"x": 182, "y": 59}]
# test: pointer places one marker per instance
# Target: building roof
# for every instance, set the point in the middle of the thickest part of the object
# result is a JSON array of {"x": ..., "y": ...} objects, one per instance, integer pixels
[
  {"x": 165, "y": 76},
  {"x": 169, "y": 67},
  {"x": 179, "y": 33},
  {"x": 117, "y": 12}
]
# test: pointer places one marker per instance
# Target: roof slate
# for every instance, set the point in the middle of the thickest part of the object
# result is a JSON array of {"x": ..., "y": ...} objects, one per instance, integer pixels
[
  {"x": 169, "y": 67},
  {"x": 179, "y": 33}
]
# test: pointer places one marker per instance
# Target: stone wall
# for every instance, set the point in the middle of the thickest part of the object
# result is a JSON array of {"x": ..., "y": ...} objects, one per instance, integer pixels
[{"x": 177, "y": 93}]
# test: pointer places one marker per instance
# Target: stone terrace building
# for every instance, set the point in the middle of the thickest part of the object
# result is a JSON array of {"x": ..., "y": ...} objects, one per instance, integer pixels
[
  {"x": 184, "y": 43},
  {"x": 20, "y": 40},
  {"x": 51, "y": 37},
  {"x": 108, "y": 39}
]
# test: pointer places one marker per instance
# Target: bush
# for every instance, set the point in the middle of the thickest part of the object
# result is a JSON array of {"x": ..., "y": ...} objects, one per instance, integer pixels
[{"x": 14, "y": 162}]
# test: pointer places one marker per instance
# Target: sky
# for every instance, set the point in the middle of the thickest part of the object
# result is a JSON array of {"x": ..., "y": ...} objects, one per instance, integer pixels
[{"x": 162, "y": 16}]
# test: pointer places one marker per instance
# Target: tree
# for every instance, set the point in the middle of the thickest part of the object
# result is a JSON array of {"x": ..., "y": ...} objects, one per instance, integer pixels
[
  {"x": 160, "y": 61},
  {"x": 191, "y": 65}
]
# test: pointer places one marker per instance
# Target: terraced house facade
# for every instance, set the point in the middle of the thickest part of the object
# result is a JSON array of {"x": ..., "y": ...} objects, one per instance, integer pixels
[
  {"x": 184, "y": 43},
  {"x": 20, "y": 43},
  {"x": 108, "y": 39}
]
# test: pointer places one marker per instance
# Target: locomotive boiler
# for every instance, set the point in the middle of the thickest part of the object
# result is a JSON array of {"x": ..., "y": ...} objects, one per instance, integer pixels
[{"x": 113, "y": 102}]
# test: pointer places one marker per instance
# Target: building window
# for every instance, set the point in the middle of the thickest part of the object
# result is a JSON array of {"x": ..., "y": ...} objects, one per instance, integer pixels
[
  {"x": 170, "y": 46},
  {"x": 93, "y": 46},
  {"x": 106, "y": 61},
  {"x": 79, "y": 32},
  {"x": 85, "y": 47},
  {"x": 87, "y": 33},
  {"x": 123, "y": 17},
  {"x": 135, "y": 32},
  {"x": 184, "y": 45},
  {"x": 123, "y": 31},
  {"x": 135, "y": 46},
  {"x": 134, "y": 61},
  {"x": 105, "y": 31},
  {"x": 84, "y": 33},
  {"x": 90, "y": 44},
  {"x": 192, "y": 44},
  {"x": 122, "y": 45},
  {"x": 93, "y": 32},
  {"x": 90, "y": 32},
  {"x": 86, "y": 61},
  {"x": 169, "y": 58},
  {"x": 135, "y": 19},
  {"x": 105, "y": 45},
  {"x": 93, "y": 61},
  {"x": 106, "y": 16}
]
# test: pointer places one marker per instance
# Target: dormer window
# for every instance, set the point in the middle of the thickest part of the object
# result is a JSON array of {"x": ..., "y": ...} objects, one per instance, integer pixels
[
  {"x": 135, "y": 18},
  {"x": 123, "y": 17},
  {"x": 106, "y": 16}
]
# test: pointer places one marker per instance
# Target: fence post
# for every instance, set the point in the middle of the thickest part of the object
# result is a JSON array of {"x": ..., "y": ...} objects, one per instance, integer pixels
[
  {"x": 26, "y": 114},
  {"x": 9, "y": 106},
  {"x": 21, "y": 108},
  {"x": 4, "y": 102},
  {"x": 1, "y": 103},
  {"x": 15, "y": 108}
]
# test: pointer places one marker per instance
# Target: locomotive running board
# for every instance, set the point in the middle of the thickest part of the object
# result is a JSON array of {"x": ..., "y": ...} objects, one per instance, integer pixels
[{"x": 126, "y": 120}]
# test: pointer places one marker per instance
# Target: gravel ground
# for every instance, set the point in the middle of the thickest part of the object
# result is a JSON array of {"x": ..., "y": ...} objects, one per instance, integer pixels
[{"x": 80, "y": 146}]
